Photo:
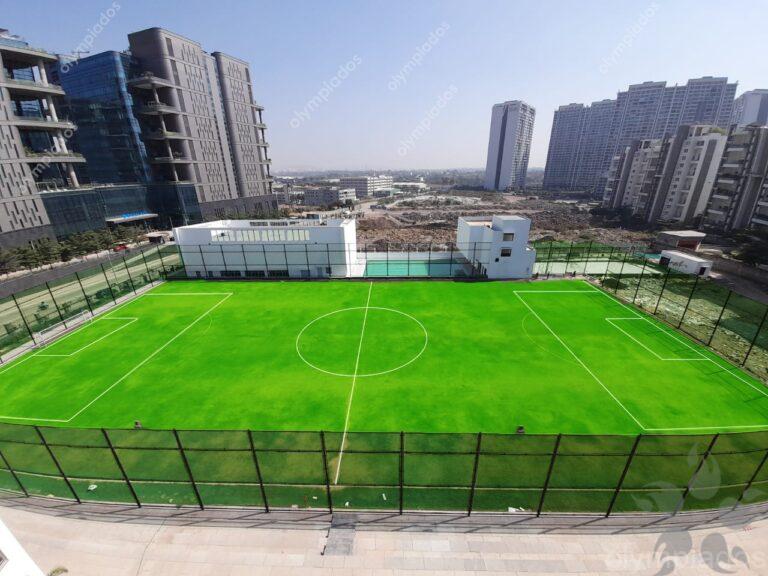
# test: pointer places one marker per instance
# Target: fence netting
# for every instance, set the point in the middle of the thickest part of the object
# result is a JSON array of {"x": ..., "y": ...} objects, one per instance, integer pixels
[{"x": 518, "y": 473}]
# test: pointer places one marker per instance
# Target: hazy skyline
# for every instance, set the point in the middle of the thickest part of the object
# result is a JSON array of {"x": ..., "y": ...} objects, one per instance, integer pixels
[{"x": 397, "y": 84}]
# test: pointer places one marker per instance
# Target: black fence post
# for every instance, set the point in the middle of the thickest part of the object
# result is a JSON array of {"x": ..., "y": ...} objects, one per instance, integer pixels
[
  {"x": 223, "y": 258},
  {"x": 752, "y": 479},
  {"x": 325, "y": 469},
  {"x": 120, "y": 466},
  {"x": 258, "y": 471},
  {"x": 471, "y": 502},
  {"x": 306, "y": 259},
  {"x": 189, "y": 469},
  {"x": 549, "y": 475},
  {"x": 624, "y": 474},
  {"x": 266, "y": 263},
  {"x": 21, "y": 314},
  {"x": 87, "y": 302},
  {"x": 608, "y": 264},
  {"x": 128, "y": 272},
  {"x": 56, "y": 463},
  {"x": 202, "y": 260},
  {"x": 720, "y": 317},
  {"x": 149, "y": 273},
  {"x": 687, "y": 304},
  {"x": 112, "y": 292},
  {"x": 13, "y": 473},
  {"x": 401, "y": 474},
  {"x": 689, "y": 487},
  {"x": 48, "y": 287},
  {"x": 757, "y": 334},
  {"x": 586, "y": 258},
  {"x": 549, "y": 259},
  {"x": 639, "y": 281},
  {"x": 621, "y": 271},
  {"x": 568, "y": 259},
  {"x": 162, "y": 264},
  {"x": 663, "y": 287},
  {"x": 450, "y": 263}
]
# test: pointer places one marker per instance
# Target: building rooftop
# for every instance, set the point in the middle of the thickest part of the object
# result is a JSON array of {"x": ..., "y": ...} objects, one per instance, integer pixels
[
  {"x": 685, "y": 256},
  {"x": 278, "y": 223},
  {"x": 684, "y": 233}
]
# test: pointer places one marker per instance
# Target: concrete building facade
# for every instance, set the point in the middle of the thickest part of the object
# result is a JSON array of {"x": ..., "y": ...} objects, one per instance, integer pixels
[
  {"x": 509, "y": 145},
  {"x": 740, "y": 196},
  {"x": 34, "y": 149},
  {"x": 497, "y": 245},
  {"x": 329, "y": 196},
  {"x": 365, "y": 186},
  {"x": 201, "y": 123},
  {"x": 668, "y": 179},
  {"x": 751, "y": 108},
  {"x": 650, "y": 110}
]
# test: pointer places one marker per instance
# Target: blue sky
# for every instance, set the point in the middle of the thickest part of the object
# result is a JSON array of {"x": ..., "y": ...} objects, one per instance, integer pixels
[{"x": 455, "y": 60}]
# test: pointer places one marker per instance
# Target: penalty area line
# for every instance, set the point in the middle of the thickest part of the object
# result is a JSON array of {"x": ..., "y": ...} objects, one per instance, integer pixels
[{"x": 354, "y": 381}]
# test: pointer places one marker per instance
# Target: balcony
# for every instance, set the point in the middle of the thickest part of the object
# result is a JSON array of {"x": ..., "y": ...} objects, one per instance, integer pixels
[
  {"x": 52, "y": 156},
  {"x": 175, "y": 159},
  {"x": 151, "y": 108},
  {"x": 27, "y": 53},
  {"x": 165, "y": 135},
  {"x": 40, "y": 123},
  {"x": 148, "y": 81},
  {"x": 31, "y": 87}
]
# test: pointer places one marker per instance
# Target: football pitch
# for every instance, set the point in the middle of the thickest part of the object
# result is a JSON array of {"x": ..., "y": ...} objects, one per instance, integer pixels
[{"x": 553, "y": 357}]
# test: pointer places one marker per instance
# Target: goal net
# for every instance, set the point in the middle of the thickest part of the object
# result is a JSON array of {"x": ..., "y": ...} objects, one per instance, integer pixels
[{"x": 46, "y": 335}]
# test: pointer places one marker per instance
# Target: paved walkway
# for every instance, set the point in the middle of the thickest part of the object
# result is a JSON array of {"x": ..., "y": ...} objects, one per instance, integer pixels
[{"x": 347, "y": 547}]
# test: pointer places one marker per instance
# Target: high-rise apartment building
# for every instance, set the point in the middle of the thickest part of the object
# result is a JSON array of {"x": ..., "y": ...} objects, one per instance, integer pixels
[
  {"x": 740, "y": 196},
  {"x": 751, "y": 108},
  {"x": 509, "y": 145},
  {"x": 651, "y": 110},
  {"x": 34, "y": 149},
  {"x": 201, "y": 124},
  {"x": 667, "y": 179}
]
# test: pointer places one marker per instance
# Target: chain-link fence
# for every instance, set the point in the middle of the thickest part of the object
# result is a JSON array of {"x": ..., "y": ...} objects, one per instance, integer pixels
[
  {"x": 518, "y": 473},
  {"x": 33, "y": 315}
]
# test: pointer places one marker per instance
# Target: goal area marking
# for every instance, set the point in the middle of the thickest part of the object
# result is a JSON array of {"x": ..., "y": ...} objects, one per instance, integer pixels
[
  {"x": 46, "y": 345},
  {"x": 637, "y": 316},
  {"x": 226, "y": 296}
]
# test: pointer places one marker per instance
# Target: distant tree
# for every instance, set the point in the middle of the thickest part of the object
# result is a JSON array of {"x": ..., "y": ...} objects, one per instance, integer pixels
[
  {"x": 48, "y": 250},
  {"x": 27, "y": 257},
  {"x": 8, "y": 261}
]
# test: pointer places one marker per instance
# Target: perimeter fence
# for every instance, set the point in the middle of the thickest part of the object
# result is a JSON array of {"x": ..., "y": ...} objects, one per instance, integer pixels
[
  {"x": 26, "y": 316},
  {"x": 387, "y": 471}
]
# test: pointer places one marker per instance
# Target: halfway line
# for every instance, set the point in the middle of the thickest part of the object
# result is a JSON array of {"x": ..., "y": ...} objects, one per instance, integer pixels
[{"x": 354, "y": 380}]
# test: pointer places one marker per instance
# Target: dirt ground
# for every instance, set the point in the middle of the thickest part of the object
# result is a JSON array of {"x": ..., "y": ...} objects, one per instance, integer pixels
[{"x": 432, "y": 218}]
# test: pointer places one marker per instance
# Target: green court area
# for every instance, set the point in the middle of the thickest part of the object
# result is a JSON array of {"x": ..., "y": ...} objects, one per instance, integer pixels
[
  {"x": 556, "y": 356},
  {"x": 363, "y": 361}
]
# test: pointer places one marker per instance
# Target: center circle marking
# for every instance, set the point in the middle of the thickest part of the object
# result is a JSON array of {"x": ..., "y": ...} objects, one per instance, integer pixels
[{"x": 311, "y": 365}]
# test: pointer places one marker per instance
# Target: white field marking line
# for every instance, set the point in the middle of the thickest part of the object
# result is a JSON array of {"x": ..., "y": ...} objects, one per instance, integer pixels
[
  {"x": 190, "y": 294},
  {"x": 354, "y": 380},
  {"x": 107, "y": 335},
  {"x": 106, "y": 317},
  {"x": 682, "y": 341},
  {"x": 155, "y": 353},
  {"x": 579, "y": 360},
  {"x": 411, "y": 361},
  {"x": 612, "y": 322},
  {"x": 747, "y": 427}
]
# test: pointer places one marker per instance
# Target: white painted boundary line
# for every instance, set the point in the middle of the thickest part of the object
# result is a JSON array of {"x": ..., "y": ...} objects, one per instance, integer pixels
[
  {"x": 354, "y": 380},
  {"x": 107, "y": 335},
  {"x": 579, "y": 360},
  {"x": 140, "y": 364},
  {"x": 612, "y": 322},
  {"x": 682, "y": 340}
]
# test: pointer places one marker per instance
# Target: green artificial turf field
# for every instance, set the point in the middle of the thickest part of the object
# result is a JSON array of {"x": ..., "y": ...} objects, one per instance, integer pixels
[
  {"x": 561, "y": 358},
  {"x": 557, "y": 356}
]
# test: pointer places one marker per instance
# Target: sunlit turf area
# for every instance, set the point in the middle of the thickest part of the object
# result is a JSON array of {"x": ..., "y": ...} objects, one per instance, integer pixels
[
  {"x": 346, "y": 358},
  {"x": 556, "y": 356}
]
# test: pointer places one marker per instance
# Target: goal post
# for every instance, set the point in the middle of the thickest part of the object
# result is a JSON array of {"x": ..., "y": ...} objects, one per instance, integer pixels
[{"x": 54, "y": 331}]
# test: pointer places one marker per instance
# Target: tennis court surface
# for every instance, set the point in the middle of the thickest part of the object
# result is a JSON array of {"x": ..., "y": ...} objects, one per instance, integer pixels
[{"x": 554, "y": 357}]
